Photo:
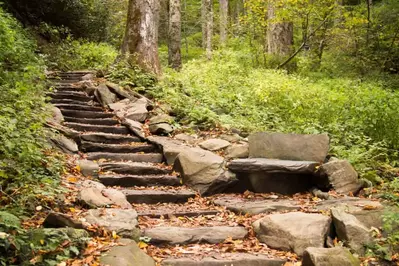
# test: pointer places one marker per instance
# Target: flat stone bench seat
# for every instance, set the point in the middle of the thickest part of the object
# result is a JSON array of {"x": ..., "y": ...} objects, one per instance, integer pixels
[{"x": 272, "y": 166}]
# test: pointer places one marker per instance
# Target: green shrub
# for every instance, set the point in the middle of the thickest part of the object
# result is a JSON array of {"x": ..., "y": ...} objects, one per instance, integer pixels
[
  {"x": 360, "y": 117},
  {"x": 80, "y": 54}
]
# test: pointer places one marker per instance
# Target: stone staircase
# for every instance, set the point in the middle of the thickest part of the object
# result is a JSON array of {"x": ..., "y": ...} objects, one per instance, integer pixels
[{"x": 181, "y": 227}]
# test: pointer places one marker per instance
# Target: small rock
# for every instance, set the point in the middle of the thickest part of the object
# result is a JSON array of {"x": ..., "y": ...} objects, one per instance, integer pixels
[
  {"x": 123, "y": 222},
  {"x": 117, "y": 198},
  {"x": 88, "y": 168},
  {"x": 161, "y": 129},
  {"x": 135, "y": 127},
  {"x": 88, "y": 77},
  {"x": 203, "y": 171},
  {"x": 161, "y": 118},
  {"x": 105, "y": 96},
  {"x": 294, "y": 231},
  {"x": 350, "y": 230},
  {"x": 214, "y": 144},
  {"x": 57, "y": 220},
  {"x": 337, "y": 256},
  {"x": 93, "y": 198},
  {"x": 65, "y": 144},
  {"x": 231, "y": 137},
  {"x": 186, "y": 138},
  {"x": 237, "y": 151},
  {"x": 342, "y": 176},
  {"x": 56, "y": 116},
  {"x": 127, "y": 255},
  {"x": 289, "y": 146}
]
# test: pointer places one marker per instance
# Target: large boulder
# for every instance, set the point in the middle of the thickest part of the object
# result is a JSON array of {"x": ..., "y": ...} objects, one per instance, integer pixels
[
  {"x": 56, "y": 115},
  {"x": 289, "y": 146},
  {"x": 128, "y": 254},
  {"x": 136, "y": 110},
  {"x": 171, "y": 148},
  {"x": 203, "y": 171},
  {"x": 237, "y": 151},
  {"x": 337, "y": 256},
  {"x": 122, "y": 93},
  {"x": 350, "y": 230},
  {"x": 123, "y": 222},
  {"x": 341, "y": 176},
  {"x": 105, "y": 96},
  {"x": 65, "y": 144},
  {"x": 161, "y": 124},
  {"x": 293, "y": 231}
]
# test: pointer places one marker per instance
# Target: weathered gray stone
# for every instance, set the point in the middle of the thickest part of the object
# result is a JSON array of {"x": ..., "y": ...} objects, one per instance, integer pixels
[
  {"x": 161, "y": 118},
  {"x": 350, "y": 230},
  {"x": 226, "y": 259},
  {"x": 88, "y": 168},
  {"x": 341, "y": 176},
  {"x": 289, "y": 146},
  {"x": 56, "y": 115},
  {"x": 105, "y": 96},
  {"x": 161, "y": 129},
  {"x": 89, "y": 76},
  {"x": 203, "y": 171},
  {"x": 254, "y": 207},
  {"x": 66, "y": 131},
  {"x": 136, "y": 110},
  {"x": 117, "y": 197},
  {"x": 122, "y": 93},
  {"x": 182, "y": 235},
  {"x": 123, "y": 222},
  {"x": 337, "y": 256},
  {"x": 237, "y": 151},
  {"x": 367, "y": 211},
  {"x": 293, "y": 231},
  {"x": 214, "y": 144},
  {"x": 187, "y": 138},
  {"x": 93, "y": 198},
  {"x": 272, "y": 166},
  {"x": 171, "y": 148},
  {"x": 92, "y": 184},
  {"x": 120, "y": 105},
  {"x": 231, "y": 137},
  {"x": 57, "y": 220},
  {"x": 129, "y": 254},
  {"x": 135, "y": 127},
  {"x": 65, "y": 144}
]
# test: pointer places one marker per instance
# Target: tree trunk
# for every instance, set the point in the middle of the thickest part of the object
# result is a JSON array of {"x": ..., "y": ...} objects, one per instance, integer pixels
[
  {"x": 204, "y": 21},
  {"x": 280, "y": 35},
  {"x": 141, "y": 36},
  {"x": 209, "y": 28},
  {"x": 224, "y": 7},
  {"x": 174, "y": 34}
]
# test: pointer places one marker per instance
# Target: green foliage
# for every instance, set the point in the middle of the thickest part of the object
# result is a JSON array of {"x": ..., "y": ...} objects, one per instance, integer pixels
[
  {"x": 24, "y": 165},
  {"x": 361, "y": 117},
  {"x": 80, "y": 54}
]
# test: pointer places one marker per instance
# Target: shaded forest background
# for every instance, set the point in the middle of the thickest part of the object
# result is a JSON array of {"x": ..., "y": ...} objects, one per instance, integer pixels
[{"x": 337, "y": 73}]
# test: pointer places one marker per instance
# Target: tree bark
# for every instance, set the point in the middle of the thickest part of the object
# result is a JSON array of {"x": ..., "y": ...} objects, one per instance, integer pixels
[
  {"x": 174, "y": 34},
  {"x": 209, "y": 28},
  {"x": 224, "y": 6},
  {"x": 204, "y": 22},
  {"x": 280, "y": 35},
  {"x": 140, "y": 44}
]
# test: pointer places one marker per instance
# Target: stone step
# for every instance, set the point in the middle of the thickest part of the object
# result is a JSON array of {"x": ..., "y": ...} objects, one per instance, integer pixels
[
  {"x": 69, "y": 101},
  {"x": 226, "y": 259},
  {"x": 117, "y": 148},
  {"x": 70, "y": 95},
  {"x": 67, "y": 88},
  {"x": 135, "y": 157},
  {"x": 134, "y": 168},
  {"x": 152, "y": 196},
  {"x": 182, "y": 235},
  {"x": 109, "y": 138},
  {"x": 139, "y": 180},
  {"x": 93, "y": 121},
  {"x": 182, "y": 213},
  {"x": 272, "y": 166},
  {"x": 83, "y": 107},
  {"x": 63, "y": 80},
  {"x": 98, "y": 128},
  {"x": 86, "y": 114}
]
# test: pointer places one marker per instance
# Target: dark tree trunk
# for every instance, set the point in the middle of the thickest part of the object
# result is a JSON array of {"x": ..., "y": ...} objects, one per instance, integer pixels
[{"x": 140, "y": 44}]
